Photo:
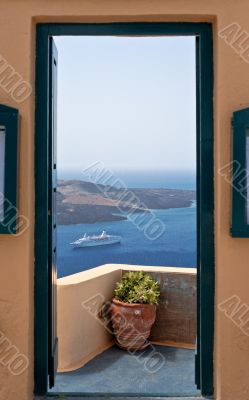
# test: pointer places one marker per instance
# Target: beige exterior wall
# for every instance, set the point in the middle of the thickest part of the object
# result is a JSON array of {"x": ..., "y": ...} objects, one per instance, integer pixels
[{"x": 17, "y": 46}]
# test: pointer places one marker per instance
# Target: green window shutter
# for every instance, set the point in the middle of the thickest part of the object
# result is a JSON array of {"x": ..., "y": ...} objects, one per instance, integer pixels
[{"x": 237, "y": 174}]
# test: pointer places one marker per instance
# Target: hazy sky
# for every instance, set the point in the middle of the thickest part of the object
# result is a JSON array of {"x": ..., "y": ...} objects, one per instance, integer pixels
[{"x": 128, "y": 102}]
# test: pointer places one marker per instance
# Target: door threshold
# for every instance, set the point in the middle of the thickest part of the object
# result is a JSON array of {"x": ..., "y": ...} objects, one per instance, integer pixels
[{"x": 113, "y": 397}]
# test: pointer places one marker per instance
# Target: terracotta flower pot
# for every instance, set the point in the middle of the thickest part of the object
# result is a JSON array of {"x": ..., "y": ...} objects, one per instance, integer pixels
[{"x": 132, "y": 324}]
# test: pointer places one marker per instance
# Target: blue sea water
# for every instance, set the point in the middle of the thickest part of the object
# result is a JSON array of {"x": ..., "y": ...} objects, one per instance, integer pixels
[
  {"x": 176, "y": 247},
  {"x": 143, "y": 179}
]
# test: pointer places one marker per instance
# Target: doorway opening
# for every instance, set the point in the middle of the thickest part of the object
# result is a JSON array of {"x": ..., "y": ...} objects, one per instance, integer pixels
[{"x": 125, "y": 167}]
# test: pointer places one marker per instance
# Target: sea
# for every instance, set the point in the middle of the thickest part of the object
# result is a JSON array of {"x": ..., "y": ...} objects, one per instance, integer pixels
[{"x": 175, "y": 247}]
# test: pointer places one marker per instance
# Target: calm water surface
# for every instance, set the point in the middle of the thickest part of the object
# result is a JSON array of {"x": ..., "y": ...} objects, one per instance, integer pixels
[{"x": 176, "y": 247}]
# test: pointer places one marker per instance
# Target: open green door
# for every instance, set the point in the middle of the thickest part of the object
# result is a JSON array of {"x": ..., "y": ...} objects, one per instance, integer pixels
[
  {"x": 52, "y": 227},
  {"x": 205, "y": 213}
]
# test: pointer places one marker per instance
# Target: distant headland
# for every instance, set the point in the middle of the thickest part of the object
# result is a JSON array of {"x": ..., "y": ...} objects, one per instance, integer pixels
[{"x": 85, "y": 202}]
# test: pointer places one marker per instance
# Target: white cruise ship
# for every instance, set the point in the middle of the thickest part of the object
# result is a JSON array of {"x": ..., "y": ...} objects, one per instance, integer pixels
[{"x": 96, "y": 240}]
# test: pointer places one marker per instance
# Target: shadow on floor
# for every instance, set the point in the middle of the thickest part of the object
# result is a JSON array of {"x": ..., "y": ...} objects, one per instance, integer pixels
[{"x": 160, "y": 370}]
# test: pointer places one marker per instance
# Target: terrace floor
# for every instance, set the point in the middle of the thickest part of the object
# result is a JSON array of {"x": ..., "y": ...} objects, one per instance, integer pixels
[{"x": 115, "y": 371}]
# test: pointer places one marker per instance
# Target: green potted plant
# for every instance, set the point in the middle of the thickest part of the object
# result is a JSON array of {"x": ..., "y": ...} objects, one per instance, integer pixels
[{"x": 133, "y": 309}]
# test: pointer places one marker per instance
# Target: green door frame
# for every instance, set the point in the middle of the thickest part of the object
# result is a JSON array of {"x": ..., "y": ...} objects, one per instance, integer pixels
[{"x": 205, "y": 181}]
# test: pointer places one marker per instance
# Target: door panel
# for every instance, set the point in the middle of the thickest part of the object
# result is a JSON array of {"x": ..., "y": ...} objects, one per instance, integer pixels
[
  {"x": 52, "y": 232},
  {"x": 205, "y": 213}
]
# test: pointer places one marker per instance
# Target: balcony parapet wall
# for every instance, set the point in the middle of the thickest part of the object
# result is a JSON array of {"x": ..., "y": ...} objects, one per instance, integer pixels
[{"x": 82, "y": 333}]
